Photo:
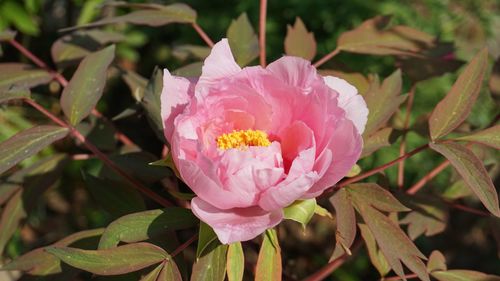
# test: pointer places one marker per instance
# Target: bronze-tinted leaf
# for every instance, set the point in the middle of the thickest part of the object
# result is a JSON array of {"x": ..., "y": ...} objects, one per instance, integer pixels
[
  {"x": 436, "y": 262},
  {"x": 463, "y": 275},
  {"x": 346, "y": 223},
  {"x": 184, "y": 52},
  {"x": 27, "y": 143},
  {"x": 299, "y": 42},
  {"x": 472, "y": 171},
  {"x": 376, "y": 257},
  {"x": 235, "y": 262},
  {"x": 86, "y": 86},
  {"x": 374, "y": 37},
  {"x": 489, "y": 137},
  {"x": 17, "y": 76},
  {"x": 457, "y": 104},
  {"x": 170, "y": 272},
  {"x": 211, "y": 265},
  {"x": 269, "y": 261},
  {"x": 146, "y": 225},
  {"x": 119, "y": 260},
  {"x": 423, "y": 68},
  {"x": 243, "y": 40},
  {"x": 382, "y": 101},
  {"x": 376, "y": 141},
  {"x": 376, "y": 196},
  {"x": 358, "y": 80},
  {"x": 14, "y": 94},
  {"x": 428, "y": 216}
]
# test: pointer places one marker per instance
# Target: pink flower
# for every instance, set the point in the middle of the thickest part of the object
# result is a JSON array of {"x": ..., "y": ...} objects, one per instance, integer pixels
[{"x": 251, "y": 141}]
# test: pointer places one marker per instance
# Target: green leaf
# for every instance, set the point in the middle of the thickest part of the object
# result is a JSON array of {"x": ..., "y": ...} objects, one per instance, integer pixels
[
  {"x": 18, "y": 76},
  {"x": 346, "y": 223},
  {"x": 151, "y": 103},
  {"x": 184, "y": 52},
  {"x": 376, "y": 141},
  {"x": 320, "y": 211},
  {"x": 299, "y": 42},
  {"x": 235, "y": 262},
  {"x": 457, "y": 104},
  {"x": 18, "y": 15},
  {"x": 206, "y": 239},
  {"x": 117, "y": 198},
  {"x": 170, "y": 272},
  {"x": 456, "y": 190},
  {"x": 14, "y": 94},
  {"x": 269, "y": 261},
  {"x": 137, "y": 165},
  {"x": 382, "y": 101},
  {"x": 374, "y": 195},
  {"x": 243, "y": 40},
  {"x": 190, "y": 70},
  {"x": 119, "y": 260},
  {"x": 27, "y": 143},
  {"x": 463, "y": 275},
  {"x": 489, "y": 137},
  {"x": 376, "y": 257},
  {"x": 136, "y": 83},
  {"x": 145, "y": 225},
  {"x": 153, "y": 275},
  {"x": 8, "y": 189},
  {"x": 300, "y": 211},
  {"x": 428, "y": 216},
  {"x": 86, "y": 87},
  {"x": 374, "y": 37},
  {"x": 436, "y": 262},
  {"x": 472, "y": 171},
  {"x": 212, "y": 265}
]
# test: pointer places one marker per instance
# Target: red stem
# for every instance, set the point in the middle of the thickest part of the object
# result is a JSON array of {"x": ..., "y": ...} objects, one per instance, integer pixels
[
  {"x": 103, "y": 157},
  {"x": 203, "y": 35},
  {"x": 184, "y": 245},
  {"x": 402, "y": 147},
  {"x": 424, "y": 180},
  {"x": 326, "y": 58},
  {"x": 468, "y": 209},
  {"x": 262, "y": 32}
]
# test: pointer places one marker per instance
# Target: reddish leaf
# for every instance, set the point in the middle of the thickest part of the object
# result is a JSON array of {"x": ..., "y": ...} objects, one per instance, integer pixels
[
  {"x": 211, "y": 266},
  {"x": 436, "y": 262},
  {"x": 299, "y": 41},
  {"x": 346, "y": 222},
  {"x": 269, "y": 261},
  {"x": 21, "y": 76},
  {"x": 489, "y": 137},
  {"x": 376, "y": 141},
  {"x": 13, "y": 94},
  {"x": 243, "y": 40},
  {"x": 456, "y": 106},
  {"x": 472, "y": 171},
  {"x": 374, "y": 195},
  {"x": 463, "y": 275},
  {"x": 428, "y": 216},
  {"x": 376, "y": 257}
]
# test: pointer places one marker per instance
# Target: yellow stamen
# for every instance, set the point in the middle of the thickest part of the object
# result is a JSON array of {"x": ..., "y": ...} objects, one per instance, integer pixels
[{"x": 242, "y": 139}]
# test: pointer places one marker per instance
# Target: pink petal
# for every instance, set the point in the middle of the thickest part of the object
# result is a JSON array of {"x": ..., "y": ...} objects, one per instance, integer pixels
[
  {"x": 235, "y": 225},
  {"x": 295, "y": 71},
  {"x": 353, "y": 104},
  {"x": 175, "y": 96},
  {"x": 219, "y": 64}
]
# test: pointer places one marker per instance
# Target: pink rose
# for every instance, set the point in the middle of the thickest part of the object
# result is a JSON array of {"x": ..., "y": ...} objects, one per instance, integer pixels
[{"x": 251, "y": 141}]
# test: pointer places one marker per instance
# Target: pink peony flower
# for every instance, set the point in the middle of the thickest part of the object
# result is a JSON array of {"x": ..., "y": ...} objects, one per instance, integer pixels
[{"x": 251, "y": 141}]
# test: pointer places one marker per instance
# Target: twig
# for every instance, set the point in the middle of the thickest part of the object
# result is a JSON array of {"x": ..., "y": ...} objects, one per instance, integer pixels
[
  {"x": 103, "y": 157},
  {"x": 184, "y": 245},
  {"x": 424, "y": 180},
  {"x": 326, "y": 270},
  {"x": 468, "y": 209},
  {"x": 203, "y": 35},
  {"x": 262, "y": 32},
  {"x": 327, "y": 57},
  {"x": 402, "y": 147}
]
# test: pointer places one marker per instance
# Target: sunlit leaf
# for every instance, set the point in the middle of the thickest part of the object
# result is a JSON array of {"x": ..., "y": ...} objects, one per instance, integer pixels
[
  {"x": 300, "y": 211},
  {"x": 346, "y": 223},
  {"x": 17, "y": 76},
  {"x": 269, "y": 261},
  {"x": 27, "y": 143},
  {"x": 14, "y": 94},
  {"x": 119, "y": 260},
  {"x": 382, "y": 101},
  {"x": 87, "y": 84},
  {"x": 376, "y": 257},
  {"x": 299, "y": 42},
  {"x": 454, "y": 108},
  {"x": 374, "y": 195},
  {"x": 211, "y": 265},
  {"x": 235, "y": 262},
  {"x": 374, "y": 37},
  {"x": 436, "y": 262},
  {"x": 472, "y": 171},
  {"x": 489, "y": 137},
  {"x": 376, "y": 141},
  {"x": 428, "y": 216},
  {"x": 146, "y": 225},
  {"x": 243, "y": 40},
  {"x": 463, "y": 275},
  {"x": 320, "y": 211}
]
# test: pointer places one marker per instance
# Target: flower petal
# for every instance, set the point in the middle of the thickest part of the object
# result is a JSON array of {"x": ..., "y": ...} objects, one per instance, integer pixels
[
  {"x": 234, "y": 225},
  {"x": 353, "y": 104},
  {"x": 219, "y": 64},
  {"x": 295, "y": 71}
]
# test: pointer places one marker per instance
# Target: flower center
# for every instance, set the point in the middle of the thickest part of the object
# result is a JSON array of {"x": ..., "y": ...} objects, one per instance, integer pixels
[{"x": 243, "y": 138}]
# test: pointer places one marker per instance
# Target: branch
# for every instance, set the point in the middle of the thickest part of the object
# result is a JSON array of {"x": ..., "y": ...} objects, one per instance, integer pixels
[
  {"x": 203, "y": 35},
  {"x": 402, "y": 147},
  {"x": 103, "y": 157},
  {"x": 424, "y": 180},
  {"x": 326, "y": 58},
  {"x": 184, "y": 245},
  {"x": 262, "y": 32}
]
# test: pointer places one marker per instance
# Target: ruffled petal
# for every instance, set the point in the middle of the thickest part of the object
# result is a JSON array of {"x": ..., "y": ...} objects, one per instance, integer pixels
[
  {"x": 219, "y": 64},
  {"x": 238, "y": 224},
  {"x": 295, "y": 71}
]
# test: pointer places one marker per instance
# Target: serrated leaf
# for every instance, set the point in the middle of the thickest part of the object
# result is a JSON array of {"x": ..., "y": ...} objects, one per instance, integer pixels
[
  {"x": 472, "y": 171},
  {"x": 436, "y": 262},
  {"x": 346, "y": 223},
  {"x": 21, "y": 76},
  {"x": 489, "y": 137},
  {"x": 269, "y": 261},
  {"x": 428, "y": 216},
  {"x": 151, "y": 103},
  {"x": 14, "y": 94},
  {"x": 374, "y": 37},
  {"x": 27, "y": 143},
  {"x": 206, "y": 239},
  {"x": 299, "y": 41},
  {"x": 376, "y": 257},
  {"x": 235, "y": 262},
  {"x": 145, "y": 225},
  {"x": 376, "y": 141},
  {"x": 87, "y": 84},
  {"x": 212, "y": 265},
  {"x": 374, "y": 195},
  {"x": 454, "y": 108},
  {"x": 463, "y": 275},
  {"x": 382, "y": 101},
  {"x": 243, "y": 40},
  {"x": 117, "y": 198},
  {"x": 300, "y": 211},
  {"x": 136, "y": 83},
  {"x": 119, "y": 260}
]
